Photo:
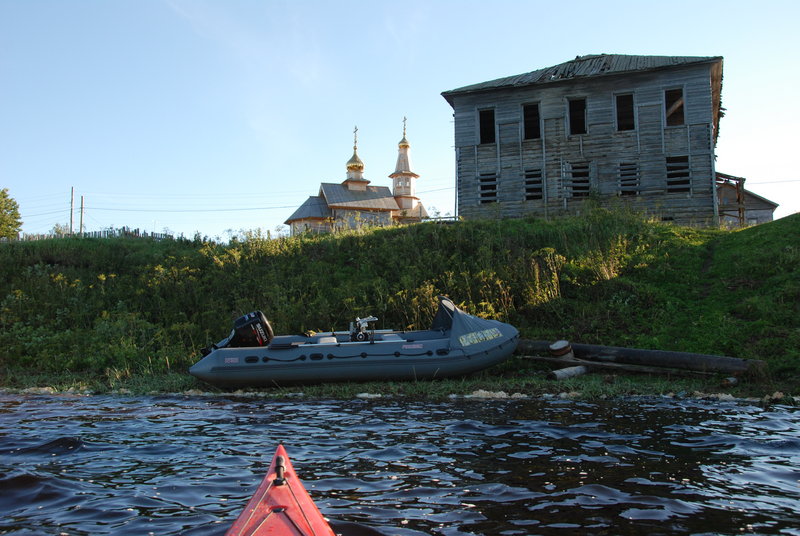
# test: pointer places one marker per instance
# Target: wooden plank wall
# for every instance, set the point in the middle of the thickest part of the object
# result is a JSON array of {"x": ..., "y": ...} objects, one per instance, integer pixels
[{"x": 603, "y": 147}]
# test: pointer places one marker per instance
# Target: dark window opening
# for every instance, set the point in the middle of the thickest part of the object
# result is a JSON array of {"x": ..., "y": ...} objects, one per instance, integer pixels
[
  {"x": 678, "y": 175},
  {"x": 580, "y": 183},
  {"x": 487, "y": 184},
  {"x": 531, "y": 122},
  {"x": 673, "y": 107},
  {"x": 628, "y": 178},
  {"x": 486, "y": 125},
  {"x": 577, "y": 116},
  {"x": 625, "y": 114},
  {"x": 534, "y": 189}
]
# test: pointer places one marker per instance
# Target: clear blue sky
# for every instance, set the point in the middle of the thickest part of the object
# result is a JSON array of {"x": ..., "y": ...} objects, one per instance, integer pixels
[{"x": 216, "y": 116}]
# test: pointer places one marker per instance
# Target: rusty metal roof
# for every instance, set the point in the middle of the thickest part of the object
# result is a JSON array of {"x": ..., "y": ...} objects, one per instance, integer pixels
[{"x": 584, "y": 66}]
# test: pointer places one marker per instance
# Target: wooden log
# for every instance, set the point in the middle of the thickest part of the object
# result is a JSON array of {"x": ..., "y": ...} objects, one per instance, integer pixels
[
  {"x": 652, "y": 358},
  {"x": 612, "y": 367},
  {"x": 561, "y": 349},
  {"x": 568, "y": 372}
]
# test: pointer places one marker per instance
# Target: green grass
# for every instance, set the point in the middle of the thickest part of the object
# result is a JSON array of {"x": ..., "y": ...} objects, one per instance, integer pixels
[{"x": 133, "y": 314}]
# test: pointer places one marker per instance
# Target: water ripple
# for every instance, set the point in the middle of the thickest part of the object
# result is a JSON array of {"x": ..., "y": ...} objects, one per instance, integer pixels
[{"x": 179, "y": 465}]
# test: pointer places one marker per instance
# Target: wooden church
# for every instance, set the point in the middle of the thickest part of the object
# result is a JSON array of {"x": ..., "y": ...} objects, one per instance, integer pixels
[{"x": 355, "y": 203}]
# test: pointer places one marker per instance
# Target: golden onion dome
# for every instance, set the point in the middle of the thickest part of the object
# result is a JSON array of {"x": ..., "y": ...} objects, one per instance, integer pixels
[
  {"x": 355, "y": 163},
  {"x": 404, "y": 142}
]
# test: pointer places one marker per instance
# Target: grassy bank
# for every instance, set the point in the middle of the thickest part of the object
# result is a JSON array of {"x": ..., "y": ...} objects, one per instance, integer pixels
[{"x": 114, "y": 314}]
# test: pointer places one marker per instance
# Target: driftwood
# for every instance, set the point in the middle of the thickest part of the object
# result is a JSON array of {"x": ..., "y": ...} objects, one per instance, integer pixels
[{"x": 650, "y": 358}]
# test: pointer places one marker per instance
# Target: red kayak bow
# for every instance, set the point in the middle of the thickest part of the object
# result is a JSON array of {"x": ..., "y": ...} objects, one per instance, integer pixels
[{"x": 281, "y": 506}]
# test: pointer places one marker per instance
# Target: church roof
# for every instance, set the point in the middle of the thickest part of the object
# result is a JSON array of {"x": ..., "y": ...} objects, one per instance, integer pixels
[
  {"x": 315, "y": 207},
  {"x": 373, "y": 198}
]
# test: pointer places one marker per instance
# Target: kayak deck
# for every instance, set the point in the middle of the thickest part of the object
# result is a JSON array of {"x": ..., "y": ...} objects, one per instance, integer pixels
[{"x": 281, "y": 506}]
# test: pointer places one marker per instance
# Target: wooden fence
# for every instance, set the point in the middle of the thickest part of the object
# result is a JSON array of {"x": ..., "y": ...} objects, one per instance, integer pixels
[{"x": 124, "y": 232}]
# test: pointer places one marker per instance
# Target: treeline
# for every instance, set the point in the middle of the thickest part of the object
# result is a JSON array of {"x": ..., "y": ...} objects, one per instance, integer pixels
[{"x": 142, "y": 306}]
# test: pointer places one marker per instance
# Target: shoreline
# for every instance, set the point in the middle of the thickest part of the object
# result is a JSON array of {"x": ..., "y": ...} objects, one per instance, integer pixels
[{"x": 524, "y": 387}]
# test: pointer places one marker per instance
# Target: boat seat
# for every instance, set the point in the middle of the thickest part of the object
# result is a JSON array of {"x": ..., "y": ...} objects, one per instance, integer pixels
[
  {"x": 327, "y": 340},
  {"x": 391, "y": 337}
]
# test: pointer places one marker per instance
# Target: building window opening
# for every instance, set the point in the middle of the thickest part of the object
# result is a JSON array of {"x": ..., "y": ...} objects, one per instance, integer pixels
[
  {"x": 486, "y": 126},
  {"x": 534, "y": 189},
  {"x": 625, "y": 114},
  {"x": 673, "y": 107},
  {"x": 628, "y": 174},
  {"x": 577, "y": 116},
  {"x": 580, "y": 183},
  {"x": 678, "y": 174},
  {"x": 531, "y": 122},
  {"x": 487, "y": 184}
]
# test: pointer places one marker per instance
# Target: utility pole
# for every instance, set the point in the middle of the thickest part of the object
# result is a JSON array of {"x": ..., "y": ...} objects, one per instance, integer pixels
[
  {"x": 71, "y": 208},
  {"x": 81, "y": 227}
]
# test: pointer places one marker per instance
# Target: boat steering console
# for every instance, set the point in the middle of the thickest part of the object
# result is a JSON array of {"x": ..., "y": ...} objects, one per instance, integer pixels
[{"x": 359, "y": 330}]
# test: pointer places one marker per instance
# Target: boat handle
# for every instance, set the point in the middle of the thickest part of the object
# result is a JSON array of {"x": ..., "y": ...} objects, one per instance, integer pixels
[{"x": 280, "y": 471}]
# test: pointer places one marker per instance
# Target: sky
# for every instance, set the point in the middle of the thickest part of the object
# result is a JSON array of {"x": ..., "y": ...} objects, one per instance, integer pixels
[{"x": 217, "y": 117}]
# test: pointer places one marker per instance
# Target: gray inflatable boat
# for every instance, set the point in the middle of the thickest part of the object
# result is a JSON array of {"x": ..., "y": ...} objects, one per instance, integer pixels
[{"x": 456, "y": 344}]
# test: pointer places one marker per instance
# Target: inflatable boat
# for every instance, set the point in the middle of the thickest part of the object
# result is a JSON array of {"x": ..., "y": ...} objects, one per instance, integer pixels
[{"x": 456, "y": 344}]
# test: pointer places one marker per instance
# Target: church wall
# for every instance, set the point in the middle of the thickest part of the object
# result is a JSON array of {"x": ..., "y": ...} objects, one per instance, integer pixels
[
  {"x": 313, "y": 226},
  {"x": 354, "y": 219}
]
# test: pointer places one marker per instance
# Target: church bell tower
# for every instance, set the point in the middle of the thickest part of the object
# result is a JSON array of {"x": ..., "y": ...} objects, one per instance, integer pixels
[{"x": 404, "y": 181}]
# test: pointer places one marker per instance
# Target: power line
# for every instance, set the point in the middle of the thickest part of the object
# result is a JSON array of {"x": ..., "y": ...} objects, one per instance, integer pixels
[
  {"x": 62, "y": 211},
  {"x": 436, "y": 190},
  {"x": 235, "y": 194},
  {"x": 241, "y": 209}
]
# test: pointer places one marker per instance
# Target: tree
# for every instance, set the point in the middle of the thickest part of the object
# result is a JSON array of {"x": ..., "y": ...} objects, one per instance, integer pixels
[
  {"x": 60, "y": 229},
  {"x": 10, "y": 224}
]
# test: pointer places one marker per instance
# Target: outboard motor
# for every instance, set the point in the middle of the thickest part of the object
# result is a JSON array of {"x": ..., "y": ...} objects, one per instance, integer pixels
[{"x": 252, "y": 329}]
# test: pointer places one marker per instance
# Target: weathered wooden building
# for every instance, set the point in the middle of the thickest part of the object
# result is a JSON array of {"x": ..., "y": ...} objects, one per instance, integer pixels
[
  {"x": 740, "y": 207},
  {"x": 639, "y": 130}
]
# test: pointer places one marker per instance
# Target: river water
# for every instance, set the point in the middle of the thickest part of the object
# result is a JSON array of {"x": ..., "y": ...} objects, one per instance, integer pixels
[{"x": 187, "y": 465}]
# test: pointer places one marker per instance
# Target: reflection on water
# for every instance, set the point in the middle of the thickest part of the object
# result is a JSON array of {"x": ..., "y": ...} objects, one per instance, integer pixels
[{"x": 175, "y": 465}]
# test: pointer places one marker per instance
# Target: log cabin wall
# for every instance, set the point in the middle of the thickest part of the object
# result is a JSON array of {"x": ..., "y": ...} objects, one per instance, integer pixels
[{"x": 663, "y": 169}]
